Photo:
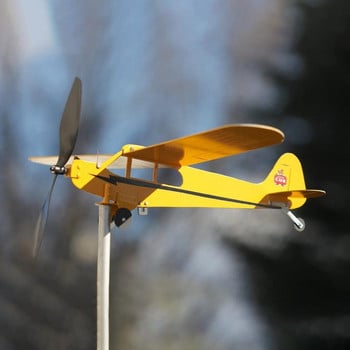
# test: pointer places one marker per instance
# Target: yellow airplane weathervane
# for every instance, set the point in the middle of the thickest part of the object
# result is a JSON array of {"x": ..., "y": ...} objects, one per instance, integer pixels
[{"x": 283, "y": 188}]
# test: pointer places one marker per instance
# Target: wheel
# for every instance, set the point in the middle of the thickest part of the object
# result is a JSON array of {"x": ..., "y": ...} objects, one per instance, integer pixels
[
  {"x": 122, "y": 217},
  {"x": 300, "y": 228}
]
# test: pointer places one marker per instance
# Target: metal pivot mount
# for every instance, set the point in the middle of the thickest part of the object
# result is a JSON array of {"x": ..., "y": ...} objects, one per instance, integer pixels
[{"x": 299, "y": 223}]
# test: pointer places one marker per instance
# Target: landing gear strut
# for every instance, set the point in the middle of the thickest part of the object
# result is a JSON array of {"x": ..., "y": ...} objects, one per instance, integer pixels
[{"x": 122, "y": 217}]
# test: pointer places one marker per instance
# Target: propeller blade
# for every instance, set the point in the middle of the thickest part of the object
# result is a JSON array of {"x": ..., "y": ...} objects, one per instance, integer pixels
[
  {"x": 70, "y": 123},
  {"x": 42, "y": 219}
]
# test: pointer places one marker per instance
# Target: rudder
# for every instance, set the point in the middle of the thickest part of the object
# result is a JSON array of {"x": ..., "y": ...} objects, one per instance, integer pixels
[{"x": 285, "y": 183}]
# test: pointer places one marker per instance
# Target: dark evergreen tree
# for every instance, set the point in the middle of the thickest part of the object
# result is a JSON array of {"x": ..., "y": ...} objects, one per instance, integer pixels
[{"x": 321, "y": 96}]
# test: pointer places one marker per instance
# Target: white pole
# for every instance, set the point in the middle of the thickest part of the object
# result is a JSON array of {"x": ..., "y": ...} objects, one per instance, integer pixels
[{"x": 103, "y": 270}]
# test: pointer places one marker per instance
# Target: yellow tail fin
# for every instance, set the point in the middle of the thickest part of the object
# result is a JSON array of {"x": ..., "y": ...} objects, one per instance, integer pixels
[{"x": 285, "y": 184}]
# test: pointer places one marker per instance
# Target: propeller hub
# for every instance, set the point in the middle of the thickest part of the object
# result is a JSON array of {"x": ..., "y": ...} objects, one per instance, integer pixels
[{"x": 58, "y": 170}]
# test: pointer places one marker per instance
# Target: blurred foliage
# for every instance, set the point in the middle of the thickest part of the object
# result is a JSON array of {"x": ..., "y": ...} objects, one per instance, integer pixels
[
  {"x": 176, "y": 286},
  {"x": 303, "y": 289},
  {"x": 319, "y": 95}
]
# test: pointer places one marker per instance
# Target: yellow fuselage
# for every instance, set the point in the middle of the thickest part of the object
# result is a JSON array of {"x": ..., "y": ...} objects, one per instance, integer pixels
[{"x": 198, "y": 188}]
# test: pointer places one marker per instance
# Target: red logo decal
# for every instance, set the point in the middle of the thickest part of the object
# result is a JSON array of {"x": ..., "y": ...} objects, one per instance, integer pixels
[{"x": 280, "y": 179}]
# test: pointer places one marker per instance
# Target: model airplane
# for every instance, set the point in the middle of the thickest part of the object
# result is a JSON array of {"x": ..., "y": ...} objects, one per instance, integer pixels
[{"x": 283, "y": 189}]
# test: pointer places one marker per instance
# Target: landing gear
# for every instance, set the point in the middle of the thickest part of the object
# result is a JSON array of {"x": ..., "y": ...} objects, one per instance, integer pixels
[
  {"x": 122, "y": 217},
  {"x": 299, "y": 223}
]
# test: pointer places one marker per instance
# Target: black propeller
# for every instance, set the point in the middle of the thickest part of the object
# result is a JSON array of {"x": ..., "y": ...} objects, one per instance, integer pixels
[{"x": 68, "y": 135}]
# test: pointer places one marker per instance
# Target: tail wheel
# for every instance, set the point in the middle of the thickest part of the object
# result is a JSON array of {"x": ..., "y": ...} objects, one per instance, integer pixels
[{"x": 122, "y": 217}]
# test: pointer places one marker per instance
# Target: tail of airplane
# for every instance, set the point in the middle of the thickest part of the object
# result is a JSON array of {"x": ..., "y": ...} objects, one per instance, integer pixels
[
  {"x": 285, "y": 183},
  {"x": 285, "y": 187},
  {"x": 285, "y": 177}
]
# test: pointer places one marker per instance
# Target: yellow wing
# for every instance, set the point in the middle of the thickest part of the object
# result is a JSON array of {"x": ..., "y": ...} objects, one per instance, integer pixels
[{"x": 209, "y": 145}]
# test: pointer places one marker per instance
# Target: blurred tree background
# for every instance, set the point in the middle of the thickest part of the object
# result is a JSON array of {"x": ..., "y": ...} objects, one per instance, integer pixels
[
  {"x": 303, "y": 291},
  {"x": 180, "y": 279}
]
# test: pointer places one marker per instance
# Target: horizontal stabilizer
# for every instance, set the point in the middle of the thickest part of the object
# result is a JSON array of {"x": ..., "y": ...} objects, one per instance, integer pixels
[
  {"x": 292, "y": 199},
  {"x": 296, "y": 194}
]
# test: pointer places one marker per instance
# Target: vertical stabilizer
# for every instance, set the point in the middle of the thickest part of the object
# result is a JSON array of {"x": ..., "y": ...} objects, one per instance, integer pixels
[
  {"x": 285, "y": 182},
  {"x": 286, "y": 175}
]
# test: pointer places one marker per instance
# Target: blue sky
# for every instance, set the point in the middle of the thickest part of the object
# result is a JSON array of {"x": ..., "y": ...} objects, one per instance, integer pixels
[
  {"x": 151, "y": 72},
  {"x": 139, "y": 89},
  {"x": 35, "y": 27}
]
